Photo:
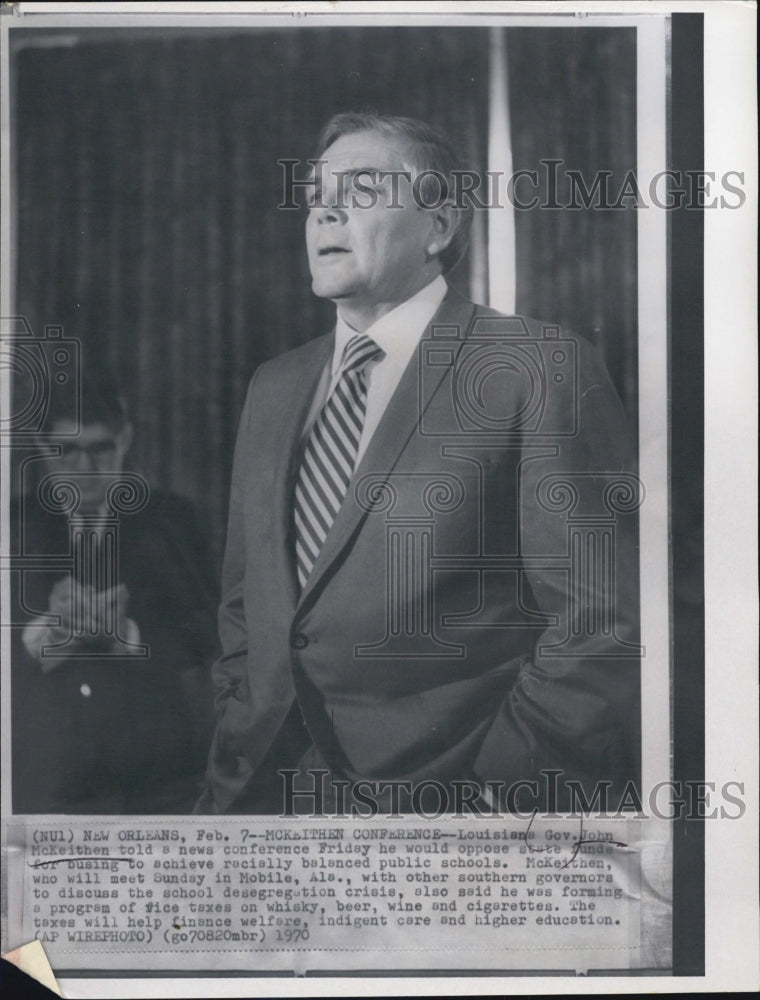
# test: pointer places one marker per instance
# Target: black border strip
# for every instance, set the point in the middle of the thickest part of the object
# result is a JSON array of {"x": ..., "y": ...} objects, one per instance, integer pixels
[{"x": 687, "y": 489}]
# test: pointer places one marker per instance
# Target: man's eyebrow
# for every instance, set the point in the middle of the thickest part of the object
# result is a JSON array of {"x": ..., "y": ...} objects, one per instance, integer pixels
[
  {"x": 349, "y": 172},
  {"x": 316, "y": 178},
  {"x": 355, "y": 171},
  {"x": 361, "y": 170}
]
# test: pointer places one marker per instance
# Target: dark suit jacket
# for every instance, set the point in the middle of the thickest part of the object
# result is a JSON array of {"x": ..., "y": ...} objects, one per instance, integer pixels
[
  {"x": 476, "y": 693},
  {"x": 117, "y": 735}
]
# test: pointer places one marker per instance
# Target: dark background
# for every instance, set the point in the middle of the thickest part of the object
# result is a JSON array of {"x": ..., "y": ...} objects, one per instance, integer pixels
[{"x": 147, "y": 192}]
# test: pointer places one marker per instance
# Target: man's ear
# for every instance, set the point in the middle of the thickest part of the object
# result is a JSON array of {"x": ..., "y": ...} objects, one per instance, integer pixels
[{"x": 445, "y": 224}]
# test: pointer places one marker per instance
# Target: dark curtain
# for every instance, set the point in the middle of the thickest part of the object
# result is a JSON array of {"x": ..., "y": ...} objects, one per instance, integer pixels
[
  {"x": 148, "y": 185},
  {"x": 573, "y": 99},
  {"x": 148, "y": 225}
]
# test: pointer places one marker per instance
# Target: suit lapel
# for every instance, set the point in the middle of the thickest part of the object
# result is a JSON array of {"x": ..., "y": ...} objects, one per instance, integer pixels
[
  {"x": 398, "y": 424},
  {"x": 289, "y": 412}
]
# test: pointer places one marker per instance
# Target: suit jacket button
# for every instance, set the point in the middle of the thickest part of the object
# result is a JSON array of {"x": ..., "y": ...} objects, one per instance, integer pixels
[
  {"x": 299, "y": 641},
  {"x": 86, "y": 690}
]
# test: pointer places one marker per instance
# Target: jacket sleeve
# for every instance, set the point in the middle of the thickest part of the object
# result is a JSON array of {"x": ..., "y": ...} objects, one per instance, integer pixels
[
  {"x": 226, "y": 770},
  {"x": 573, "y": 706},
  {"x": 229, "y": 671}
]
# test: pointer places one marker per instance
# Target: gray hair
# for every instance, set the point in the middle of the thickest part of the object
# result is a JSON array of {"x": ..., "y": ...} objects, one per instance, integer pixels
[{"x": 431, "y": 150}]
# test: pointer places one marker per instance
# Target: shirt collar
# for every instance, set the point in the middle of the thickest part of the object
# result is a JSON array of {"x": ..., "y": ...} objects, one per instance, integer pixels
[{"x": 398, "y": 332}]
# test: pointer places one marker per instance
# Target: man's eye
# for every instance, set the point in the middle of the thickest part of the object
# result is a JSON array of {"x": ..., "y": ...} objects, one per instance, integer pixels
[{"x": 368, "y": 181}]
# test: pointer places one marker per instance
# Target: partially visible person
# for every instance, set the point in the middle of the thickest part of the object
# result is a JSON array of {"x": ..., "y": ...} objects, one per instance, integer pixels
[{"x": 110, "y": 676}]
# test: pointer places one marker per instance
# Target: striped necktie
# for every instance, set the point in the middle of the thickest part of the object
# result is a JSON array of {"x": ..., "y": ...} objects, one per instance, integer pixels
[{"x": 330, "y": 454}]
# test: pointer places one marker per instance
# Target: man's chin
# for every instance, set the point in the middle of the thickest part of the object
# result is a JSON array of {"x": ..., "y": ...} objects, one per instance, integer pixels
[{"x": 333, "y": 290}]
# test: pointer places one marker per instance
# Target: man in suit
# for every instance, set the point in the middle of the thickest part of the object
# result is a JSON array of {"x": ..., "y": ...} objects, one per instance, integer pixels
[
  {"x": 430, "y": 573},
  {"x": 110, "y": 680}
]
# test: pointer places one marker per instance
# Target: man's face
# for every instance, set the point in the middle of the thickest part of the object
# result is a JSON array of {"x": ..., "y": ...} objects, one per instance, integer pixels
[
  {"x": 368, "y": 257},
  {"x": 96, "y": 448}
]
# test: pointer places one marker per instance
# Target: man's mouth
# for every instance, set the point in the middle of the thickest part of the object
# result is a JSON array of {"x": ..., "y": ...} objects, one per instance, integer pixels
[{"x": 329, "y": 251}]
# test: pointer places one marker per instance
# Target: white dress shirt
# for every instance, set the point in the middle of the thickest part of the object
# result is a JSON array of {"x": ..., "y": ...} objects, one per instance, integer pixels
[{"x": 398, "y": 333}]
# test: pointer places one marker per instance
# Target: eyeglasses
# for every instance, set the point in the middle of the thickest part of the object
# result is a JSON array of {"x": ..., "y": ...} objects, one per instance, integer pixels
[{"x": 97, "y": 452}]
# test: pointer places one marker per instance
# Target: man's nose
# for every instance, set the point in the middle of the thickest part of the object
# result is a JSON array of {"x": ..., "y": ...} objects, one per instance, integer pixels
[{"x": 331, "y": 213}]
